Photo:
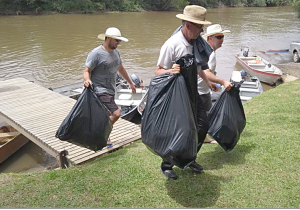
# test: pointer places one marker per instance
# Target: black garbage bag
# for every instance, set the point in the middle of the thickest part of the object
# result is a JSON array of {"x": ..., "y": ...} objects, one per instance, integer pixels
[
  {"x": 168, "y": 124},
  {"x": 188, "y": 69},
  {"x": 169, "y": 121},
  {"x": 227, "y": 119},
  {"x": 87, "y": 124}
]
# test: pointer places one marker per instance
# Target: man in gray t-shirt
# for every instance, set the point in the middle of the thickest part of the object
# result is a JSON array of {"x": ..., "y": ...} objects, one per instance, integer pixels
[{"x": 101, "y": 67}]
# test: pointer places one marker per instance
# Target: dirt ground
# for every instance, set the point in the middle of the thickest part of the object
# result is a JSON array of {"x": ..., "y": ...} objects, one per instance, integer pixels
[
  {"x": 291, "y": 71},
  {"x": 290, "y": 68}
]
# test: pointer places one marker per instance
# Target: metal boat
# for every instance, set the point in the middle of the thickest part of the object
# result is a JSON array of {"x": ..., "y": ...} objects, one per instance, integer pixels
[
  {"x": 249, "y": 86},
  {"x": 259, "y": 67}
]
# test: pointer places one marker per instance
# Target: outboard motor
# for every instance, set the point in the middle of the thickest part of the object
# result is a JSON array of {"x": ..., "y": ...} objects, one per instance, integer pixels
[
  {"x": 135, "y": 80},
  {"x": 243, "y": 73},
  {"x": 245, "y": 51}
]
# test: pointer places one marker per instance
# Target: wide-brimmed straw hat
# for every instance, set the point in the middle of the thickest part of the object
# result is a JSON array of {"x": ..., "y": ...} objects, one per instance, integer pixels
[
  {"x": 214, "y": 29},
  {"x": 195, "y": 14},
  {"x": 114, "y": 33}
]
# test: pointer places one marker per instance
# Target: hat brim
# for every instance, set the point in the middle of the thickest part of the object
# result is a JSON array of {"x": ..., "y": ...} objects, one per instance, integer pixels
[
  {"x": 220, "y": 32},
  {"x": 184, "y": 17},
  {"x": 102, "y": 37}
]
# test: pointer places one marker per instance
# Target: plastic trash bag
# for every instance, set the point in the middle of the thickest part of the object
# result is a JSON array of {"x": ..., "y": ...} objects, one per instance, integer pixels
[
  {"x": 227, "y": 119},
  {"x": 87, "y": 124},
  {"x": 169, "y": 121},
  {"x": 188, "y": 69}
]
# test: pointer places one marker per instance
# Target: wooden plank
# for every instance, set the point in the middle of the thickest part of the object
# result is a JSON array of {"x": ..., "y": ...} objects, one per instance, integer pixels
[
  {"x": 84, "y": 159},
  {"x": 37, "y": 113},
  {"x": 116, "y": 145}
]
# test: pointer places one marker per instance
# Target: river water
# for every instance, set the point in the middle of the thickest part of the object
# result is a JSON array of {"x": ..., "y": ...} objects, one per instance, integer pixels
[{"x": 51, "y": 49}]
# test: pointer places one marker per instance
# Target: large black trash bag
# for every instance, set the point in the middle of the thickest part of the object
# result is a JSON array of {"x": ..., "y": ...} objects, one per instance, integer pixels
[
  {"x": 169, "y": 124},
  {"x": 227, "y": 119},
  {"x": 87, "y": 124},
  {"x": 188, "y": 69}
]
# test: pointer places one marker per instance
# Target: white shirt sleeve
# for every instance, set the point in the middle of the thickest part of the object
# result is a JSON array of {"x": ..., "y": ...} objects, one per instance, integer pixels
[
  {"x": 166, "y": 57},
  {"x": 212, "y": 63}
]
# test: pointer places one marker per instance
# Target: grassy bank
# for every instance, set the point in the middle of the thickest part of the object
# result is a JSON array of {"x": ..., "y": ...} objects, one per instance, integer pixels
[{"x": 262, "y": 171}]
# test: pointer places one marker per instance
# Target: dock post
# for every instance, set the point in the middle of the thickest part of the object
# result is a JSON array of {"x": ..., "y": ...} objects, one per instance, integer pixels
[{"x": 63, "y": 161}]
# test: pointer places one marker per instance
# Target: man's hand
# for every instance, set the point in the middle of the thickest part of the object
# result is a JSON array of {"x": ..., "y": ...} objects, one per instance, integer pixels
[
  {"x": 227, "y": 85},
  {"x": 133, "y": 88},
  {"x": 175, "y": 69},
  {"x": 212, "y": 86},
  {"x": 87, "y": 83}
]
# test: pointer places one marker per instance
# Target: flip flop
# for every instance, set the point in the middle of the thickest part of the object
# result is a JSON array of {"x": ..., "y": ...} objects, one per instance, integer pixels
[{"x": 109, "y": 146}]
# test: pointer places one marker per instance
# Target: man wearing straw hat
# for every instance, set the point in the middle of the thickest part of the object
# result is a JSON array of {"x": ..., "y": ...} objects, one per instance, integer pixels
[
  {"x": 215, "y": 37},
  {"x": 178, "y": 45},
  {"x": 101, "y": 67}
]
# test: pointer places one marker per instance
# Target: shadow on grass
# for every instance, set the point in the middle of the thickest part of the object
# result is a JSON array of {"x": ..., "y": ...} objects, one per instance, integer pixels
[
  {"x": 216, "y": 159},
  {"x": 203, "y": 190},
  {"x": 195, "y": 190}
]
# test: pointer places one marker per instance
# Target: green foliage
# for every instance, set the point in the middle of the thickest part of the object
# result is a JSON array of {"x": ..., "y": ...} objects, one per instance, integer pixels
[
  {"x": 89, "y": 6},
  {"x": 296, "y": 5},
  {"x": 165, "y": 5},
  {"x": 203, "y": 3},
  {"x": 259, "y": 3}
]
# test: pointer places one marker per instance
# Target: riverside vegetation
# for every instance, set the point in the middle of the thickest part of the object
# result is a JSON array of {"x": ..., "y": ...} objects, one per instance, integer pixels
[
  {"x": 262, "y": 171},
  {"x": 92, "y": 6}
]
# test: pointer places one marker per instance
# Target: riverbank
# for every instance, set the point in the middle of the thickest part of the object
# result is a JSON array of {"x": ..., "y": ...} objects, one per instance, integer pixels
[
  {"x": 290, "y": 70},
  {"x": 262, "y": 171},
  {"x": 34, "y": 7}
]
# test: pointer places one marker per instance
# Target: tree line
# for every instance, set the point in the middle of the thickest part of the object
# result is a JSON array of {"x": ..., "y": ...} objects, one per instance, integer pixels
[{"x": 94, "y": 6}]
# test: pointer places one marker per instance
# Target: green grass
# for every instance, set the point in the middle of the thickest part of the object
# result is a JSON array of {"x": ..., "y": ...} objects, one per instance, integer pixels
[{"x": 262, "y": 171}]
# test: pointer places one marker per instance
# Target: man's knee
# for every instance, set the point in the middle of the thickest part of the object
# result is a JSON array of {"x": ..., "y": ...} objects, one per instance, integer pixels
[{"x": 116, "y": 114}]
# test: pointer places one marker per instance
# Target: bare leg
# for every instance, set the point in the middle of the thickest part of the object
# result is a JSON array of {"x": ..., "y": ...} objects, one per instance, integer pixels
[
  {"x": 209, "y": 140},
  {"x": 113, "y": 117}
]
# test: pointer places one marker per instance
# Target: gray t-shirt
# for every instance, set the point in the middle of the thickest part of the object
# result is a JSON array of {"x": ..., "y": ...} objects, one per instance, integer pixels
[{"x": 104, "y": 67}]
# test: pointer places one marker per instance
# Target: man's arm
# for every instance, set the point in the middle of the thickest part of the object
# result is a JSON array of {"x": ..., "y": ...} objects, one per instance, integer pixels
[
  {"x": 87, "y": 77},
  {"x": 124, "y": 74},
  {"x": 211, "y": 85},
  {"x": 174, "y": 70},
  {"x": 213, "y": 78}
]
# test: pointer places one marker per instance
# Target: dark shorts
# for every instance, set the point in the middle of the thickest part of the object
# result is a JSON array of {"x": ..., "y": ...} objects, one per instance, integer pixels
[
  {"x": 108, "y": 101},
  {"x": 206, "y": 100}
]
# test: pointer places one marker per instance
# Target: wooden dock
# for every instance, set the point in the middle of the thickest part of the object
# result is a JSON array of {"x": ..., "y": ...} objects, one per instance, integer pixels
[{"x": 37, "y": 113}]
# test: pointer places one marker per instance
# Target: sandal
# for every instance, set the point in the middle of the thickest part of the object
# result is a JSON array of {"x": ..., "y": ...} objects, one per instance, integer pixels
[{"x": 109, "y": 146}]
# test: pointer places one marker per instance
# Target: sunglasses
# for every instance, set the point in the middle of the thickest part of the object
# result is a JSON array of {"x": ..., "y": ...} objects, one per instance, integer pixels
[
  {"x": 198, "y": 26},
  {"x": 219, "y": 37},
  {"x": 118, "y": 40}
]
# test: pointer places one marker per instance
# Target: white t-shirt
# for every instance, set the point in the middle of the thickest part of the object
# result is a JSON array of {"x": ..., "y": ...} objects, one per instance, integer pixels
[
  {"x": 174, "y": 48},
  {"x": 202, "y": 86}
]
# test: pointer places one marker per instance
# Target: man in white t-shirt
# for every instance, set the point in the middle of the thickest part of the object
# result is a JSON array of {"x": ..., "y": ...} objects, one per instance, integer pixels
[
  {"x": 214, "y": 37},
  {"x": 177, "y": 46}
]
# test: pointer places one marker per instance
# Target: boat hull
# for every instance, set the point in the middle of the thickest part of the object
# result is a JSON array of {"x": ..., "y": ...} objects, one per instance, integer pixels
[
  {"x": 10, "y": 142},
  {"x": 265, "y": 77},
  {"x": 249, "y": 86},
  {"x": 133, "y": 116}
]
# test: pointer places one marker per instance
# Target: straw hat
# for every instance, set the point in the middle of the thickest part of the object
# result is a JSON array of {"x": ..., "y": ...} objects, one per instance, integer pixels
[
  {"x": 214, "y": 29},
  {"x": 114, "y": 33},
  {"x": 195, "y": 14}
]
